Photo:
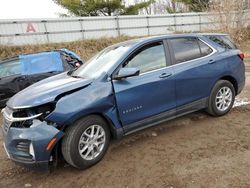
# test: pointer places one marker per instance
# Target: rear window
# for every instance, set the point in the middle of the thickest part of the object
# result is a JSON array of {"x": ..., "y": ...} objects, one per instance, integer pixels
[
  {"x": 41, "y": 63},
  {"x": 223, "y": 40}
]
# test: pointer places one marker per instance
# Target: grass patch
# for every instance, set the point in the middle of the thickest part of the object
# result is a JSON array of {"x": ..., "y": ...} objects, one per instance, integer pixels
[{"x": 85, "y": 49}]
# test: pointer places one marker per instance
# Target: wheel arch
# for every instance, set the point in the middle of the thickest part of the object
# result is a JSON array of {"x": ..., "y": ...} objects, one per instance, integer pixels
[
  {"x": 232, "y": 80},
  {"x": 116, "y": 133}
]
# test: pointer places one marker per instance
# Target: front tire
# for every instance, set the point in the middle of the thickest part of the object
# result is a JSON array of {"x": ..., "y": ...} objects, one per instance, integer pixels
[
  {"x": 221, "y": 98},
  {"x": 86, "y": 142}
]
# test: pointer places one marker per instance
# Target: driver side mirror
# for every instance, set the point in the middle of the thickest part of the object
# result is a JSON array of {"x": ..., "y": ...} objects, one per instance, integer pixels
[{"x": 126, "y": 72}]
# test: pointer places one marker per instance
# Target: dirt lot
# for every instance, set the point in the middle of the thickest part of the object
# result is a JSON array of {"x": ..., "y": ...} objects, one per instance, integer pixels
[{"x": 193, "y": 151}]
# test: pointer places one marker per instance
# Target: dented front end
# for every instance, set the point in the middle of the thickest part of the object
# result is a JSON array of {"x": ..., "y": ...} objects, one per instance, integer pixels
[
  {"x": 35, "y": 118},
  {"x": 28, "y": 139}
]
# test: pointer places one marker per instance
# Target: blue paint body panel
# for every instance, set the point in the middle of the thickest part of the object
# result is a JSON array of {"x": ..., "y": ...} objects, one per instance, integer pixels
[
  {"x": 46, "y": 90},
  {"x": 143, "y": 96},
  {"x": 97, "y": 98},
  {"x": 124, "y": 103},
  {"x": 39, "y": 135}
]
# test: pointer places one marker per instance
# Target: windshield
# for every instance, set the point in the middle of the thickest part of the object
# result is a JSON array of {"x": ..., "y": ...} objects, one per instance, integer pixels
[
  {"x": 10, "y": 68},
  {"x": 101, "y": 62}
]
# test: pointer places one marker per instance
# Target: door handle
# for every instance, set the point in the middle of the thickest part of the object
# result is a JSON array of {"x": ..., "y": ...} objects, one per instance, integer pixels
[
  {"x": 165, "y": 75},
  {"x": 211, "y": 61}
]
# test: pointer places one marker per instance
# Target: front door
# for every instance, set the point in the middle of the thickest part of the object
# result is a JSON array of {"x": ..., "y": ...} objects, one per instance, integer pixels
[{"x": 152, "y": 92}]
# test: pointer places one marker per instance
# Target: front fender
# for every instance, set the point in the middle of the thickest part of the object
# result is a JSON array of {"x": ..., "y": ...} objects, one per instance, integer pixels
[{"x": 97, "y": 98}]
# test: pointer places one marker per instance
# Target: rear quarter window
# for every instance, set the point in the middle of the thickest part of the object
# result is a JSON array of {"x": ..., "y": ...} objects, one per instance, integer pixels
[
  {"x": 223, "y": 40},
  {"x": 205, "y": 49}
]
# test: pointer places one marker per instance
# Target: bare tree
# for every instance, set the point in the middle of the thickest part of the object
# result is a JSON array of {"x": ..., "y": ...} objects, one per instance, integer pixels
[
  {"x": 176, "y": 6},
  {"x": 163, "y": 7},
  {"x": 232, "y": 16}
]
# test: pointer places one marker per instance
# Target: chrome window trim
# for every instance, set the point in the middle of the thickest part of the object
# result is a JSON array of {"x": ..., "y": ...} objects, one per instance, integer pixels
[
  {"x": 154, "y": 70},
  {"x": 213, "y": 52}
]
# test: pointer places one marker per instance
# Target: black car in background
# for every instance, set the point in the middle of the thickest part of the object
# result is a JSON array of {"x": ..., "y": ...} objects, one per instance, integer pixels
[{"x": 17, "y": 73}]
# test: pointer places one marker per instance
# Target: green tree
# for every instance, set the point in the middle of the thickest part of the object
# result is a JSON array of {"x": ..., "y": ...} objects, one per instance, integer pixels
[
  {"x": 196, "y": 5},
  {"x": 101, "y": 7}
]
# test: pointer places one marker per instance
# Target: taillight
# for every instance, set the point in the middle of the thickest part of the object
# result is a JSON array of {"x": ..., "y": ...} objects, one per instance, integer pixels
[
  {"x": 77, "y": 64},
  {"x": 242, "y": 56}
]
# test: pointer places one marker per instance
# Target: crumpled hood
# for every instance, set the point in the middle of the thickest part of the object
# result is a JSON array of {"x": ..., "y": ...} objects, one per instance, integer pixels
[{"x": 46, "y": 90}]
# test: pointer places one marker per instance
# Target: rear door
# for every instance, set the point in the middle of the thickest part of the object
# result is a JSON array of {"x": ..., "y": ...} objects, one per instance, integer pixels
[
  {"x": 150, "y": 93},
  {"x": 193, "y": 73}
]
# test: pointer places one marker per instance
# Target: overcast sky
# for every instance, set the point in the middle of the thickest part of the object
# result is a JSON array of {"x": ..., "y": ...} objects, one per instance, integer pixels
[{"x": 13, "y": 9}]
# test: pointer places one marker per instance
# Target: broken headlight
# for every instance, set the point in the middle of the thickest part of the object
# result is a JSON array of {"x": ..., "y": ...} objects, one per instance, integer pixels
[{"x": 24, "y": 117}]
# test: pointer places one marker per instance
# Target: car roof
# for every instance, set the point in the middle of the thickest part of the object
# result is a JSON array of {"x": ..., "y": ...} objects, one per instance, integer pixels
[
  {"x": 8, "y": 59},
  {"x": 40, "y": 52},
  {"x": 135, "y": 42}
]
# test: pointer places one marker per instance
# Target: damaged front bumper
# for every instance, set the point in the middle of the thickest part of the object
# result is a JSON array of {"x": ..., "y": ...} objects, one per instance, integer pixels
[{"x": 33, "y": 146}]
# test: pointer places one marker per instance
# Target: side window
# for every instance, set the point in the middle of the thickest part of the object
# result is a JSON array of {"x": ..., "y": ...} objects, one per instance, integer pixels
[
  {"x": 223, "y": 41},
  {"x": 149, "y": 58},
  {"x": 205, "y": 49},
  {"x": 185, "y": 49},
  {"x": 10, "y": 68}
]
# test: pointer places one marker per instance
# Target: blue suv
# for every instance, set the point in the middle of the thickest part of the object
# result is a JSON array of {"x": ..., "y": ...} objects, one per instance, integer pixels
[{"x": 122, "y": 89}]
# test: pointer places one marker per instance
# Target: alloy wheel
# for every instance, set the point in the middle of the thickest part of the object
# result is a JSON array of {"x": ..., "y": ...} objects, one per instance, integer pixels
[
  {"x": 92, "y": 142},
  {"x": 223, "y": 98}
]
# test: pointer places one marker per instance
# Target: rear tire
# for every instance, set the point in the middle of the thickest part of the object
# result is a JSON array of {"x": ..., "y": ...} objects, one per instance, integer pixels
[
  {"x": 86, "y": 142},
  {"x": 221, "y": 98}
]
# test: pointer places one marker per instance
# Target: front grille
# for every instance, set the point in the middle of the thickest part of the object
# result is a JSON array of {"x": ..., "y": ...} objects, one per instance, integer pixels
[
  {"x": 23, "y": 158},
  {"x": 20, "y": 113},
  {"x": 8, "y": 110},
  {"x": 23, "y": 146},
  {"x": 22, "y": 124},
  {"x": 6, "y": 121},
  {"x": 17, "y": 118},
  {"x": 6, "y": 124}
]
